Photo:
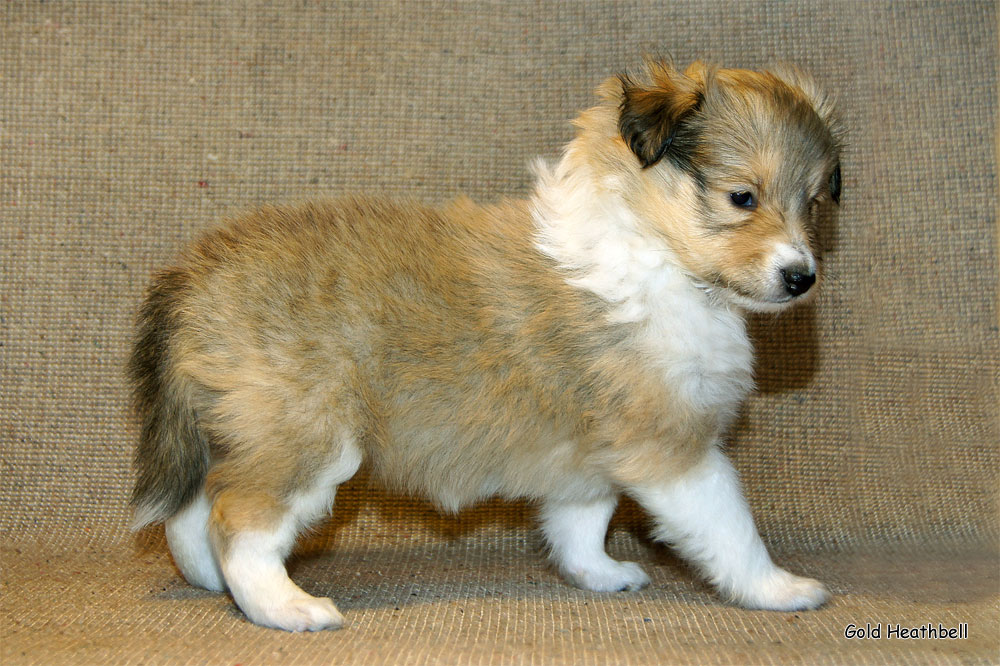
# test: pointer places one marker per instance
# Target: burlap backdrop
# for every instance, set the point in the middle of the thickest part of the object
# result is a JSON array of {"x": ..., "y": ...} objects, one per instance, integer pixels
[{"x": 870, "y": 454}]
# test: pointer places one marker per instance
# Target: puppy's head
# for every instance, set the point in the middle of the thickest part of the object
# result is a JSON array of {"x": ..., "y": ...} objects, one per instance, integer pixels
[{"x": 729, "y": 166}]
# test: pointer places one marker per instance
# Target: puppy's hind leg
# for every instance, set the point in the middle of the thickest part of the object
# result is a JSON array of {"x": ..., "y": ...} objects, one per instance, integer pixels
[
  {"x": 575, "y": 532},
  {"x": 252, "y": 533},
  {"x": 187, "y": 537},
  {"x": 703, "y": 514}
]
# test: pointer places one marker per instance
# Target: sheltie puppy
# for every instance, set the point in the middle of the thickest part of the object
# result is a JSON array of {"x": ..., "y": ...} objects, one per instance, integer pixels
[{"x": 582, "y": 344}]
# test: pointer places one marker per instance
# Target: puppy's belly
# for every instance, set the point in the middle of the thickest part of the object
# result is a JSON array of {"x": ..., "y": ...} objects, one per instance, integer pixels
[{"x": 455, "y": 467}]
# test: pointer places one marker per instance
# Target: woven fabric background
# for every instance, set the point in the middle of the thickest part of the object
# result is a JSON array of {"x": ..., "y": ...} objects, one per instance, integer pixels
[{"x": 870, "y": 453}]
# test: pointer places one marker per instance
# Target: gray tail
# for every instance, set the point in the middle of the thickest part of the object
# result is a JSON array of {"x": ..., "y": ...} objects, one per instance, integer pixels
[{"x": 172, "y": 457}]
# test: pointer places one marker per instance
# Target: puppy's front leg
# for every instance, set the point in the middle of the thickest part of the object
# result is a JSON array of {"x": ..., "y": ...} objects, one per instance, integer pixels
[
  {"x": 704, "y": 515},
  {"x": 575, "y": 532}
]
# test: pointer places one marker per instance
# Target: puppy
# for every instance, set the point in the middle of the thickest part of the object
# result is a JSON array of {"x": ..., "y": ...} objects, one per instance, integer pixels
[{"x": 585, "y": 343}]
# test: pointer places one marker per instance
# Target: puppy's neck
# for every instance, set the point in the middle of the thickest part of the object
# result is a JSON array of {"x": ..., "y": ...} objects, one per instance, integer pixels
[
  {"x": 586, "y": 226},
  {"x": 695, "y": 340}
]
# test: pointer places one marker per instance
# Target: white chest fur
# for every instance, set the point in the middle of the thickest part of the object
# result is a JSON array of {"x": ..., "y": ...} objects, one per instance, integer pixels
[{"x": 699, "y": 344}]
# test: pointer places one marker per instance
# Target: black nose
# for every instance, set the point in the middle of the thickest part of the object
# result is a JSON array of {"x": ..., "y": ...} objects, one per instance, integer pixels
[{"x": 797, "y": 281}]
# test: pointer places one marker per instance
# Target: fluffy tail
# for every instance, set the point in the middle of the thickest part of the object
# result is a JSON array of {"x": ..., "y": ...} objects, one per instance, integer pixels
[{"x": 173, "y": 455}]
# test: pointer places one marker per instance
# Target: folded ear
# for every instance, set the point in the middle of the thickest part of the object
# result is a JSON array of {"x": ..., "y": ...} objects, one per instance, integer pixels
[
  {"x": 651, "y": 111},
  {"x": 821, "y": 102}
]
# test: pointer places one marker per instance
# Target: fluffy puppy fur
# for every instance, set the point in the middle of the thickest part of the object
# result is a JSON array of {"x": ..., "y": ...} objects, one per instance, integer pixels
[{"x": 585, "y": 343}]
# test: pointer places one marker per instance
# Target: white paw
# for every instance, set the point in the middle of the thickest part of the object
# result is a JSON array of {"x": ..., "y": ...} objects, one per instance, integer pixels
[
  {"x": 610, "y": 576},
  {"x": 782, "y": 591},
  {"x": 303, "y": 613}
]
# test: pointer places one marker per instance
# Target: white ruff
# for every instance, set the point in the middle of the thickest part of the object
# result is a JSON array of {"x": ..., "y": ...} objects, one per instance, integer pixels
[{"x": 698, "y": 340}]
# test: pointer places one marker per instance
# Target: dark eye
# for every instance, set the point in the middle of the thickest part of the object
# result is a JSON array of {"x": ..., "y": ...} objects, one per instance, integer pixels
[
  {"x": 835, "y": 184},
  {"x": 743, "y": 199}
]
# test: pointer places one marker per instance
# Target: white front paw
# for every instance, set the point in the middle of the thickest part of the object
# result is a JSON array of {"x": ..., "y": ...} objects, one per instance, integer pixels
[
  {"x": 610, "y": 576},
  {"x": 782, "y": 591}
]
